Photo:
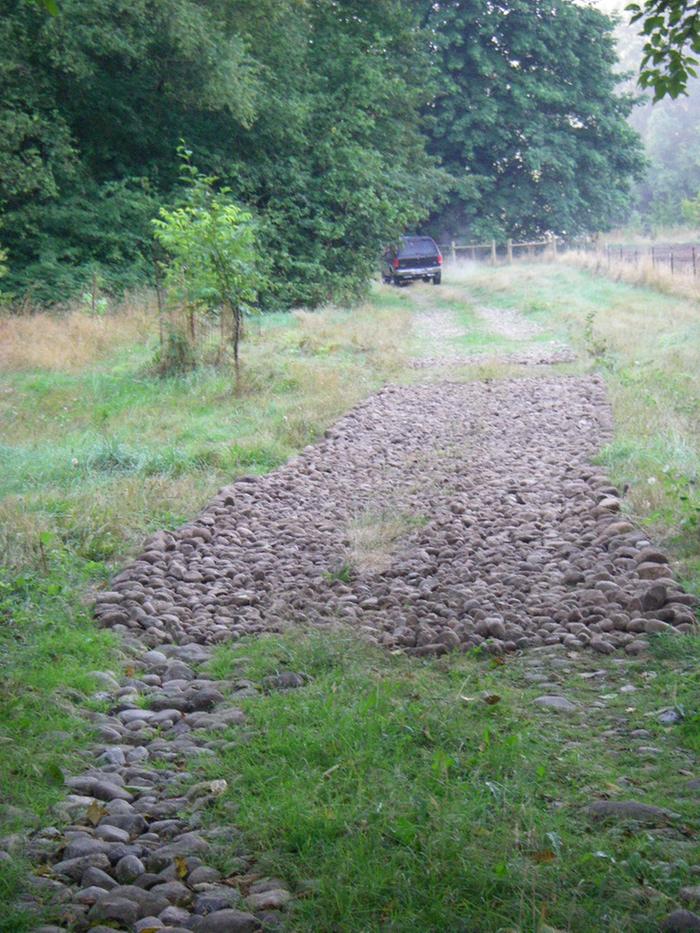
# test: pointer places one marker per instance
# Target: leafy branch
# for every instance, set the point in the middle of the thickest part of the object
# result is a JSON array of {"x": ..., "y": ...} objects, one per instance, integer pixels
[{"x": 672, "y": 37}]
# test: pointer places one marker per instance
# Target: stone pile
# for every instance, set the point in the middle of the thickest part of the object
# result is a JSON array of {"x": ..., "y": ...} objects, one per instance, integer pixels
[{"x": 516, "y": 542}]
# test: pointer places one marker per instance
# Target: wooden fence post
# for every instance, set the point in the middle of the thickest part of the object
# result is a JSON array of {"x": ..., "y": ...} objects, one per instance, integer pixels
[
  {"x": 493, "y": 252},
  {"x": 472, "y": 252},
  {"x": 509, "y": 251},
  {"x": 695, "y": 265},
  {"x": 453, "y": 251},
  {"x": 554, "y": 247}
]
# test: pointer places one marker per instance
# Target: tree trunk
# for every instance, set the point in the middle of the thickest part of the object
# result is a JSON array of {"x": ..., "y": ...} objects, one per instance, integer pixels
[{"x": 236, "y": 311}]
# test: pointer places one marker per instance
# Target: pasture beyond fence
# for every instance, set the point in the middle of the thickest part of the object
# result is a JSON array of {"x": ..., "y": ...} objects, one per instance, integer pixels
[{"x": 677, "y": 258}]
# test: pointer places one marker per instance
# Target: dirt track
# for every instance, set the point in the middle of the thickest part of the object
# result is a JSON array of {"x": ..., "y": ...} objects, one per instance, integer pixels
[{"x": 520, "y": 542}]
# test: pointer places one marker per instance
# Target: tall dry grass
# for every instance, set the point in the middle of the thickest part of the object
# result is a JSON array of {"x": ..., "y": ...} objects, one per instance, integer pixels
[
  {"x": 378, "y": 335},
  {"x": 69, "y": 340},
  {"x": 643, "y": 273}
]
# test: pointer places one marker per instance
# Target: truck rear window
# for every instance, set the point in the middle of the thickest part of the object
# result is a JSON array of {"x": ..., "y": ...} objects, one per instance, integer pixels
[{"x": 417, "y": 246}]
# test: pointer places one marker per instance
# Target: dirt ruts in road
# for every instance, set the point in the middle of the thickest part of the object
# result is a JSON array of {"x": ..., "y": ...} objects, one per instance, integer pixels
[
  {"x": 513, "y": 539},
  {"x": 441, "y": 330}
]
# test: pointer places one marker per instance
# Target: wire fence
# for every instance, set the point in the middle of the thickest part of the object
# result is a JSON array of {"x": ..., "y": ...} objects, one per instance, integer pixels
[{"x": 677, "y": 258}]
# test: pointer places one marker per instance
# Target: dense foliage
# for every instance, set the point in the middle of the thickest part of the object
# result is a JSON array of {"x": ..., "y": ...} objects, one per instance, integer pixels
[
  {"x": 529, "y": 123},
  {"x": 328, "y": 119}
]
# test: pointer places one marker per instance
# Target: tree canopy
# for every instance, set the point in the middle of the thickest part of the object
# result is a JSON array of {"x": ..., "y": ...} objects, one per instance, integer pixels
[
  {"x": 338, "y": 124},
  {"x": 529, "y": 122}
]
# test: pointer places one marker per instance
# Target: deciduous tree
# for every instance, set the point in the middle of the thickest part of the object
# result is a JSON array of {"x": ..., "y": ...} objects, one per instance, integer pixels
[
  {"x": 529, "y": 123},
  {"x": 211, "y": 244}
]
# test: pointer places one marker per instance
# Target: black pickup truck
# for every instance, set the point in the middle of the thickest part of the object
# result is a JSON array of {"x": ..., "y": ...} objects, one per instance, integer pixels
[{"x": 415, "y": 257}]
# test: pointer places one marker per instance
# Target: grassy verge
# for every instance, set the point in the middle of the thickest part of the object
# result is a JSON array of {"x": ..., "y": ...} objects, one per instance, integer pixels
[
  {"x": 647, "y": 345},
  {"x": 397, "y": 795},
  {"x": 96, "y": 453},
  {"x": 643, "y": 272}
]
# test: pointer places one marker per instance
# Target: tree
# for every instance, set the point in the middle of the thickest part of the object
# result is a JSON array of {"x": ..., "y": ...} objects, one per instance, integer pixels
[
  {"x": 335, "y": 163},
  {"x": 528, "y": 121},
  {"x": 211, "y": 244},
  {"x": 691, "y": 210},
  {"x": 310, "y": 111},
  {"x": 92, "y": 106},
  {"x": 672, "y": 37},
  {"x": 671, "y": 133}
]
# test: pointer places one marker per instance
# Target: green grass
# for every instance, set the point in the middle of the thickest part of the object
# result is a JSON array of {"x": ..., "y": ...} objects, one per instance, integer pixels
[
  {"x": 477, "y": 335},
  {"x": 399, "y": 796}
]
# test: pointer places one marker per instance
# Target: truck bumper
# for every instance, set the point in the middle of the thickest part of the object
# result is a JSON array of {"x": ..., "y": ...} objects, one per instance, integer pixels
[{"x": 426, "y": 272}]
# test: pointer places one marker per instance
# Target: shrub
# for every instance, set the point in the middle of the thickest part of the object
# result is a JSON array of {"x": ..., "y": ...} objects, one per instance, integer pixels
[{"x": 210, "y": 242}]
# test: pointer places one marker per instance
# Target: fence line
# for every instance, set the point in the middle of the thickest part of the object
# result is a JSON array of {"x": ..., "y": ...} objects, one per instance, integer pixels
[
  {"x": 678, "y": 258},
  {"x": 492, "y": 250}
]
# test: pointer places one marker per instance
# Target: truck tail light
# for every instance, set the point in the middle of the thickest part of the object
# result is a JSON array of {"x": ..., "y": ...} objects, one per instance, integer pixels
[
  {"x": 439, "y": 259},
  {"x": 395, "y": 263}
]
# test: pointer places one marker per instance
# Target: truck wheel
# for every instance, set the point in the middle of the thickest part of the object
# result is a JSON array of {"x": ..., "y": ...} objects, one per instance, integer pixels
[{"x": 437, "y": 278}]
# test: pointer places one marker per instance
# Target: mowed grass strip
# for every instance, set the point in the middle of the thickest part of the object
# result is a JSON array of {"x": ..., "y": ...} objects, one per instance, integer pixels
[{"x": 402, "y": 795}]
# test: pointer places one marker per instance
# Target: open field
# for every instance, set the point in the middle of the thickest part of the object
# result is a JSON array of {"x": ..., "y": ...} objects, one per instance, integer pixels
[{"x": 389, "y": 793}]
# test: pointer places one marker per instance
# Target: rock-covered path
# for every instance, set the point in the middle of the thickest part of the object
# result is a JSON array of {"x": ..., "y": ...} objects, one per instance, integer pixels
[
  {"x": 520, "y": 541},
  {"x": 510, "y": 539}
]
